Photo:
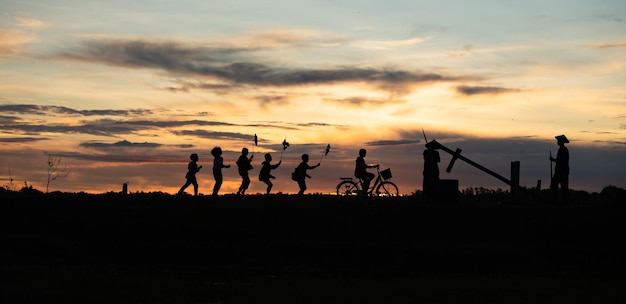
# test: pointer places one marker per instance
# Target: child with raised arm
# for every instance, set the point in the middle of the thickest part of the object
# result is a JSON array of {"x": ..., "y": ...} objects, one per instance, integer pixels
[
  {"x": 265, "y": 175},
  {"x": 300, "y": 175},
  {"x": 192, "y": 169},
  {"x": 218, "y": 164}
]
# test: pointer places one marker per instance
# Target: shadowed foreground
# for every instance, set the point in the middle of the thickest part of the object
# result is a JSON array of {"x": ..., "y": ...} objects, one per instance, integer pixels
[{"x": 312, "y": 249}]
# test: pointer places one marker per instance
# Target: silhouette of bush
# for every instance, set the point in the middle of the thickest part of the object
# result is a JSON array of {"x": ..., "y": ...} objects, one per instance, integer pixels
[
  {"x": 613, "y": 196},
  {"x": 29, "y": 190}
]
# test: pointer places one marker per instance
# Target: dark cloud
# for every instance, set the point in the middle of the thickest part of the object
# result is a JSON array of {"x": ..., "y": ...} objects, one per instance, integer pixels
[
  {"x": 214, "y": 135},
  {"x": 483, "y": 146},
  {"x": 65, "y": 129},
  {"x": 314, "y": 124},
  {"x": 126, "y": 144},
  {"x": 120, "y": 144},
  {"x": 106, "y": 127},
  {"x": 186, "y": 86},
  {"x": 393, "y": 142},
  {"x": 362, "y": 101},
  {"x": 21, "y": 139},
  {"x": 272, "y": 100},
  {"x": 613, "y": 142},
  {"x": 115, "y": 128},
  {"x": 123, "y": 158},
  {"x": 170, "y": 56},
  {"x": 478, "y": 90},
  {"x": 23, "y": 109},
  {"x": 177, "y": 89},
  {"x": 101, "y": 128},
  {"x": 8, "y": 119},
  {"x": 222, "y": 64},
  {"x": 611, "y": 46},
  {"x": 173, "y": 124},
  {"x": 273, "y": 124},
  {"x": 43, "y": 110}
]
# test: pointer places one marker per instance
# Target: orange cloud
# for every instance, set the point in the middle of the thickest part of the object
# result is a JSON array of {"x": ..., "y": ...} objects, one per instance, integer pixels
[
  {"x": 11, "y": 40},
  {"x": 30, "y": 22}
]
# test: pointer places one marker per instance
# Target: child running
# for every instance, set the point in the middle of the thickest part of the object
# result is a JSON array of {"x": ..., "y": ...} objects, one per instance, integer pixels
[
  {"x": 300, "y": 174},
  {"x": 265, "y": 175},
  {"x": 218, "y": 164},
  {"x": 244, "y": 164},
  {"x": 192, "y": 169}
]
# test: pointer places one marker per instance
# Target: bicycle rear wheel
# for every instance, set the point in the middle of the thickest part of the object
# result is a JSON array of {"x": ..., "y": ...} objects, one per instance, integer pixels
[
  {"x": 347, "y": 188},
  {"x": 387, "y": 189}
]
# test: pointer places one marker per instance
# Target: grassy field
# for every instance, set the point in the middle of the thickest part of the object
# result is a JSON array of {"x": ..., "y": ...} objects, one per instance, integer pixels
[{"x": 155, "y": 248}]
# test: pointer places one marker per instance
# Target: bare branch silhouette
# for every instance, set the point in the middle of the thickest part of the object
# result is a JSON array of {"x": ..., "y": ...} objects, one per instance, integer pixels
[{"x": 55, "y": 169}]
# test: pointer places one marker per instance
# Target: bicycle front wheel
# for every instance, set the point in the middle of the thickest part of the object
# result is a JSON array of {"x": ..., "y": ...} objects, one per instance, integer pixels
[
  {"x": 387, "y": 189},
  {"x": 347, "y": 188}
]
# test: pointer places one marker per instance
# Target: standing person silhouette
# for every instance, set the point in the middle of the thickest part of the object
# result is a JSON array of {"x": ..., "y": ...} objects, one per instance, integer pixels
[
  {"x": 218, "y": 164},
  {"x": 431, "y": 171},
  {"x": 265, "y": 175},
  {"x": 244, "y": 164},
  {"x": 192, "y": 169},
  {"x": 361, "y": 172},
  {"x": 300, "y": 175},
  {"x": 561, "y": 170}
]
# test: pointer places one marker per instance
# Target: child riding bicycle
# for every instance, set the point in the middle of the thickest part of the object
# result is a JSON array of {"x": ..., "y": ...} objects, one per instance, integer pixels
[{"x": 361, "y": 172}]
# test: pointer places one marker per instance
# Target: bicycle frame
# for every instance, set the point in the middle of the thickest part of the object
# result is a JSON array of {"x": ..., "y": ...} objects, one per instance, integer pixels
[
  {"x": 379, "y": 179},
  {"x": 380, "y": 183}
]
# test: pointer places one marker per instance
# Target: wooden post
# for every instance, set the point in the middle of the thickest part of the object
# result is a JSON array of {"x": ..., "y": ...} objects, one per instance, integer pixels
[
  {"x": 538, "y": 189},
  {"x": 455, "y": 155},
  {"x": 515, "y": 170}
]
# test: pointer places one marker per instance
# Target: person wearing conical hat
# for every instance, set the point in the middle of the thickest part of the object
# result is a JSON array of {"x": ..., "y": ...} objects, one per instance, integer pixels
[{"x": 561, "y": 170}]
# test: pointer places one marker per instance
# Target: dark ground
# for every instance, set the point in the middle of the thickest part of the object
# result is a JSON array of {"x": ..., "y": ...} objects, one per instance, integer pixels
[{"x": 155, "y": 248}]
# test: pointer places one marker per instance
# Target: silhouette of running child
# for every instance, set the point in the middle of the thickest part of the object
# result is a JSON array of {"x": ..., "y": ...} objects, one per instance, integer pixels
[
  {"x": 192, "y": 169},
  {"x": 265, "y": 175},
  {"x": 361, "y": 172},
  {"x": 244, "y": 164},
  {"x": 218, "y": 164},
  {"x": 561, "y": 170},
  {"x": 300, "y": 175}
]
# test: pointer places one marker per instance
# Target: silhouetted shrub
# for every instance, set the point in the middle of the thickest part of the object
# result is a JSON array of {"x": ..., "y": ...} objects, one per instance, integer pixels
[
  {"x": 29, "y": 190},
  {"x": 613, "y": 195}
]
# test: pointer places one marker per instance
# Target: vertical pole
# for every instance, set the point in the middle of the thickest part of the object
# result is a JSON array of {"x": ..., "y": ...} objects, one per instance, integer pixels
[
  {"x": 538, "y": 189},
  {"x": 515, "y": 170},
  {"x": 550, "y": 178}
]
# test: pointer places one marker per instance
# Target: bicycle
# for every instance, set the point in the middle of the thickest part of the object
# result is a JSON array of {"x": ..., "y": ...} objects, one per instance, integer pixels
[{"x": 382, "y": 185}]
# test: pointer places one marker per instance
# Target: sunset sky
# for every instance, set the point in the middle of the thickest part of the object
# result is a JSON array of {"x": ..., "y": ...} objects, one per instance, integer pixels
[{"x": 125, "y": 91}]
